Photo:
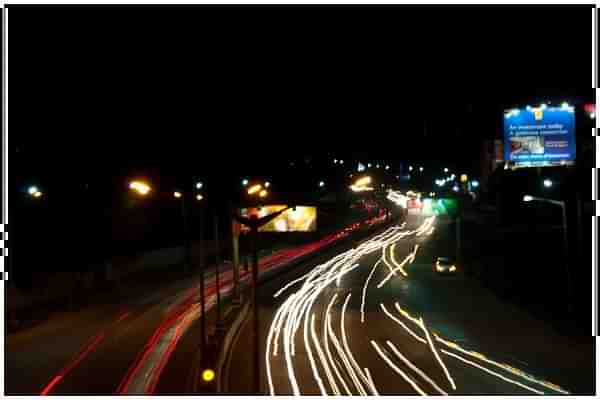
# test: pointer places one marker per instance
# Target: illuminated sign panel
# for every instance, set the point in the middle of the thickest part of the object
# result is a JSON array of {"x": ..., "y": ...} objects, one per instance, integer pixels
[
  {"x": 540, "y": 136},
  {"x": 302, "y": 219},
  {"x": 439, "y": 207}
]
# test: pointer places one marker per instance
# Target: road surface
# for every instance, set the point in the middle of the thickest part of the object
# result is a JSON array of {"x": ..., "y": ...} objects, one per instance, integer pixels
[{"x": 377, "y": 319}]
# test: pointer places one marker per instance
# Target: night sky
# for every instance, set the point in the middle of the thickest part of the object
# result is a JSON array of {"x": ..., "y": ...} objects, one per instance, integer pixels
[{"x": 99, "y": 92}]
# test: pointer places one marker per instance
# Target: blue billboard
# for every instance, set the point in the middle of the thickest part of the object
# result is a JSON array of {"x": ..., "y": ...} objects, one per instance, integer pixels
[{"x": 540, "y": 136}]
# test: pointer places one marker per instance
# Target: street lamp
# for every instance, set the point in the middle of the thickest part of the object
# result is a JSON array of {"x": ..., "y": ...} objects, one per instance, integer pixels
[
  {"x": 254, "y": 189},
  {"x": 475, "y": 184},
  {"x": 267, "y": 184},
  {"x": 177, "y": 195},
  {"x": 548, "y": 183},
  {"x": 199, "y": 185},
  {"x": 410, "y": 168},
  {"x": 245, "y": 182},
  {"x": 446, "y": 170},
  {"x": 529, "y": 198},
  {"x": 263, "y": 193},
  {"x": 321, "y": 184},
  {"x": 199, "y": 197},
  {"x": 421, "y": 169},
  {"x": 140, "y": 187}
]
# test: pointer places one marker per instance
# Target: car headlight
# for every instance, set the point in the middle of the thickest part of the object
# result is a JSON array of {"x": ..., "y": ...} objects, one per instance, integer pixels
[
  {"x": 452, "y": 268},
  {"x": 439, "y": 268}
]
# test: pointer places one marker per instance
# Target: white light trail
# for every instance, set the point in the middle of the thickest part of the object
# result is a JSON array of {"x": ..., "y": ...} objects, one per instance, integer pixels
[
  {"x": 364, "y": 292},
  {"x": 334, "y": 386},
  {"x": 491, "y": 372},
  {"x": 435, "y": 353},
  {"x": 411, "y": 332},
  {"x": 505, "y": 367},
  {"x": 328, "y": 352},
  {"x": 398, "y": 370},
  {"x": 415, "y": 368}
]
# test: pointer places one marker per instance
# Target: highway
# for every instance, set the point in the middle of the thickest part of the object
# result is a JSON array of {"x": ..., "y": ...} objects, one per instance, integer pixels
[
  {"x": 123, "y": 346},
  {"x": 376, "y": 319}
]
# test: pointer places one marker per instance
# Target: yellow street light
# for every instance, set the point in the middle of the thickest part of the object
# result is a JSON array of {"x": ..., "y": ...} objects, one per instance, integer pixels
[
  {"x": 177, "y": 195},
  {"x": 140, "y": 187},
  {"x": 254, "y": 189},
  {"x": 37, "y": 194},
  {"x": 263, "y": 193},
  {"x": 208, "y": 375},
  {"x": 199, "y": 197},
  {"x": 363, "y": 181}
]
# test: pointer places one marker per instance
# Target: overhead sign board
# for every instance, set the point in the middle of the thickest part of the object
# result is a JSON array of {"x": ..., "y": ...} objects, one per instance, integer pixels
[
  {"x": 540, "y": 136},
  {"x": 302, "y": 219}
]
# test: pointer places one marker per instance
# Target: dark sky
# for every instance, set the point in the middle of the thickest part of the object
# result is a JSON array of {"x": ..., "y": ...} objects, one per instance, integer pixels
[{"x": 99, "y": 90}]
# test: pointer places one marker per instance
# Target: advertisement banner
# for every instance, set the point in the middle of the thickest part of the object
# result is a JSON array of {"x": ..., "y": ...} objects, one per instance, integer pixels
[
  {"x": 303, "y": 219},
  {"x": 542, "y": 136}
]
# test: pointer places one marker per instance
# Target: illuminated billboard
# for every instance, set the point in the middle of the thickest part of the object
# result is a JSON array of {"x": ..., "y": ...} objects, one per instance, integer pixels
[
  {"x": 540, "y": 136},
  {"x": 302, "y": 219},
  {"x": 439, "y": 207}
]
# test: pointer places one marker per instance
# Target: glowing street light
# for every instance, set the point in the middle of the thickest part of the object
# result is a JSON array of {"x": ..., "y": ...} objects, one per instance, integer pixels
[
  {"x": 341, "y": 162},
  {"x": 263, "y": 193},
  {"x": 199, "y": 197},
  {"x": 177, "y": 195},
  {"x": 446, "y": 170},
  {"x": 548, "y": 183},
  {"x": 140, "y": 187},
  {"x": 245, "y": 182},
  {"x": 421, "y": 169},
  {"x": 321, "y": 184},
  {"x": 267, "y": 184},
  {"x": 527, "y": 198},
  {"x": 475, "y": 184},
  {"x": 335, "y": 160},
  {"x": 254, "y": 189},
  {"x": 32, "y": 190},
  {"x": 199, "y": 185},
  {"x": 455, "y": 188},
  {"x": 37, "y": 194},
  {"x": 369, "y": 165},
  {"x": 208, "y": 375},
  {"x": 387, "y": 167},
  {"x": 410, "y": 168}
]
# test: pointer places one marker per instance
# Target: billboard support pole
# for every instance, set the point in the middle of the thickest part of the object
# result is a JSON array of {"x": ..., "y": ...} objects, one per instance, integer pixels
[
  {"x": 256, "y": 358},
  {"x": 235, "y": 245}
]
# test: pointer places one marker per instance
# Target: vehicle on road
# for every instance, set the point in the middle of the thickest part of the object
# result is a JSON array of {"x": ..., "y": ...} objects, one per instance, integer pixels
[{"x": 444, "y": 266}]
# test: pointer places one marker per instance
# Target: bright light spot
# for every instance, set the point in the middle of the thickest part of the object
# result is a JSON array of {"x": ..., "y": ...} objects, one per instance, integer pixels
[
  {"x": 543, "y": 106},
  {"x": 593, "y": 115},
  {"x": 140, "y": 187},
  {"x": 547, "y": 183},
  {"x": 335, "y": 160},
  {"x": 321, "y": 184},
  {"x": 452, "y": 176},
  {"x": 363, "y": 181},
  {"x": 421, "y": 169},
  {"x": 464, "y": 178},
  {"x": 267, "y": 184},
  {"x": 565, "y": 106},
  {"x": 245, "y": 182},
  {"x": 527, "y": 198},
  {"x": 410, "y": 168},
  {"x": 254, "y": 189},
  {"x": 455, "y": 188},
  {"x": 361, "y": 167},
  {"x": 199, "y": 185},
  {"x": 199, "y": 197},
  {"x": 369, "y": 165},
  {"x": 528, "y": 108},
  {"x": 387, "y": 167},
  {"x": 341, "y": 161},
  {"x": 452, "y": 268},
  {"x": 475, "y": 183},
  {"x": 32, "y": 190},
  {"x": 177, "y": 195},
  {"x": 208, "y": 375},
  {"x": 377, "y": 165},
  {"x": 515, "y": 112},
  {"x": 37, "y": 194},
  {"x": 445, "y": 169},
  {"x": 263, "y": 193}
]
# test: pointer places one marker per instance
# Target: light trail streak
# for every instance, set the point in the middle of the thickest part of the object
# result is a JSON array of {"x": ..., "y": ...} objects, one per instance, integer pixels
[
  {"x": 364, "y": 292},
  {"x": 399, "y": 267},
  {"x": 505, "y": 367},
  {"x": 437, "y": 356},
  {"x": 371, "y": 382},
  {"x": 330, "y": 378},
  {"x": 347, "y": 347},
  {"x": 328, "y": 351},
  {"x": 411, "y": 332},
  {"x": 415, "y": 368},
  {"x": 398, "y": 370},
  {"x": 343, "y": 357},
  {"x": 297, "y": 306},
  {"x": 491, "y": 372}
]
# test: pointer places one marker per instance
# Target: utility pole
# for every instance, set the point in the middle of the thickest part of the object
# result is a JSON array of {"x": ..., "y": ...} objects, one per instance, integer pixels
[
  {"x": 235, "y": 245},
  {"x": 219, "y": 324},
  {"x": 202, "y": 298}
]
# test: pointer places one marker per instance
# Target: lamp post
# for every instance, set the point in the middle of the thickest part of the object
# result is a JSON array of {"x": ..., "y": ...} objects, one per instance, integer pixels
[{"x": 528, "y": 198}]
